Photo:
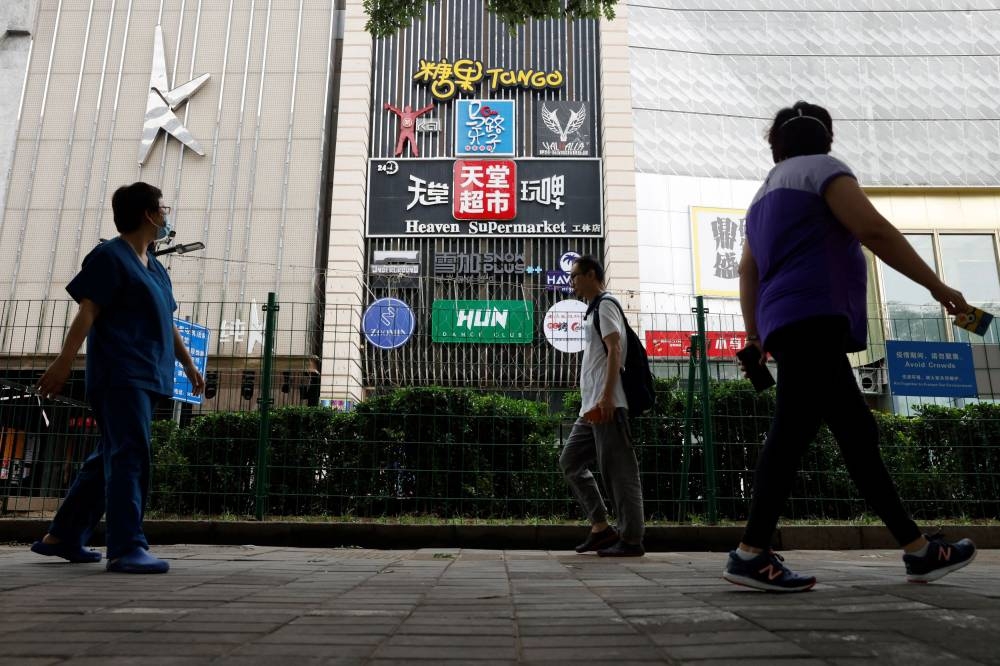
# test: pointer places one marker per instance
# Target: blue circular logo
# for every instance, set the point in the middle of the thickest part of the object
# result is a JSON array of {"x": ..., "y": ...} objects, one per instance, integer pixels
[{"x": 388, "y": 323}]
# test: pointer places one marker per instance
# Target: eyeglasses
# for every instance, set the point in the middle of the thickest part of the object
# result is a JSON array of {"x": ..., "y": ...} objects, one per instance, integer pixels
[{"x": 165, "y": 210}]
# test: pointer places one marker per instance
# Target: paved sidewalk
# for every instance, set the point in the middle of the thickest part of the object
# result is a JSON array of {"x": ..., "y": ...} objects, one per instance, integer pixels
[{"x": 262, "y": 605}]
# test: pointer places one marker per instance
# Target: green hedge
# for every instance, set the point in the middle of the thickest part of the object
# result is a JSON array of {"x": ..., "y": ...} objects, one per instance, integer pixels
[
  {"x": 423, "y": 450},
  {"x": 462, "y": 453}
]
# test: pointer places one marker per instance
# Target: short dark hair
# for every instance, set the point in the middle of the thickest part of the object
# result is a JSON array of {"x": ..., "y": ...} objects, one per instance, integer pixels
[
  {"x": 801, "y": 129},
  {"x": 129, "y": 202},
  {"x": 587, "y": 263}
]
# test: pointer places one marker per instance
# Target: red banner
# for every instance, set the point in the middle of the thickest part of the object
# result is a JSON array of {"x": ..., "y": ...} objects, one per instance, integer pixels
[{"x": 674, "y": 344}]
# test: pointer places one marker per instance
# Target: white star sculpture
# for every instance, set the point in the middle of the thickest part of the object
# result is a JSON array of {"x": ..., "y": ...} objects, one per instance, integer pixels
[{"x": 162, "y": 101}]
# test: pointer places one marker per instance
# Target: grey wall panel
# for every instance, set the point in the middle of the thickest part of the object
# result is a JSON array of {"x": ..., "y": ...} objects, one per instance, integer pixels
[{"x": 913, "y": 88}]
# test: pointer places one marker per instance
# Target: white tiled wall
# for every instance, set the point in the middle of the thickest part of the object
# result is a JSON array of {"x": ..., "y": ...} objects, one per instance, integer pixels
[{"x": 666, "y": 279}]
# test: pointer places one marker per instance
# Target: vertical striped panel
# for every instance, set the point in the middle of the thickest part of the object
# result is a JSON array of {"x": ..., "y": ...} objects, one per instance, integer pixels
[{"x": 455, "y": 29}]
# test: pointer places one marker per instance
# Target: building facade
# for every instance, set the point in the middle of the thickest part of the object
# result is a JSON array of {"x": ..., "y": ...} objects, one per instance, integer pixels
[
  {"x": 912, "y": 88},
  {"x": 349, "y": 176}
]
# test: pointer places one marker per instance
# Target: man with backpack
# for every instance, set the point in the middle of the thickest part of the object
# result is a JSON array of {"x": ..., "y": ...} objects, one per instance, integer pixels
[{"x": 601, "y": 434}]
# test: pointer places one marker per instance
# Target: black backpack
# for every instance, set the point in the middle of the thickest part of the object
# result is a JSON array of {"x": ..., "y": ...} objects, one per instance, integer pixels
[{"x": 636, "y": 377}]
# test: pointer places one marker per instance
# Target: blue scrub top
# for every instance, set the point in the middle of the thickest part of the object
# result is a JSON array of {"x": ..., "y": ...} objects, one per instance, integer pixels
[{"x": 131, "y": 344}]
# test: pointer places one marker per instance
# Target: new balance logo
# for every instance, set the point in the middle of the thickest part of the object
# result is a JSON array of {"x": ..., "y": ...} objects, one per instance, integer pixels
[
  {"x": 772, "y": 572},
  {"x": 944, "y": 553}
]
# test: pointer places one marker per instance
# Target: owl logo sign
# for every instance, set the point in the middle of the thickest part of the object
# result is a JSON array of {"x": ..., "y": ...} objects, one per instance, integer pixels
[
  {"x": 562, "y": 129},
  {"x": 484, "y": 127}
]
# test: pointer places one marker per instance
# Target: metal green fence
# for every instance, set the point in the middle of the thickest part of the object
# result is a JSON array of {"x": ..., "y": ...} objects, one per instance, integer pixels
[{"x": 428, "y": 441}]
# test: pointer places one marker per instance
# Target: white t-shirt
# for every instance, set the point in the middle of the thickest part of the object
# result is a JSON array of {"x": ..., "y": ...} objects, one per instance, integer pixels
[{"x": 594, "y": 368}]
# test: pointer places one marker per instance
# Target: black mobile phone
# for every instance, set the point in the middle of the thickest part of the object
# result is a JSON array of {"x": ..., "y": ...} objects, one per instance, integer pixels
[{"x": 757, "y": 373}]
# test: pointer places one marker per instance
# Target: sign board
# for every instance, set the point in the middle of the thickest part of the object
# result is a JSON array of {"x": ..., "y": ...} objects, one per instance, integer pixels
[
  {"x": 562, "y": 129},
  {"x": 674, "y": 344},
  {"x": 395, "y": 268},
  {"x": 388, "y": 323},
  {"x": 931, "y": 369},
  {"x": 563, "y": 325},
  {"x": 484, "y": 190},
  {"x": 553, "y": 198},
  {"x": 447, "y": 78},
  {"x": 485, "y": 127},
  {"x": 717, "y": 236},
  {"x": 195, "y": 338},
  {"x": 559, "y": 280},
  {"x": 480, "y": 322}
]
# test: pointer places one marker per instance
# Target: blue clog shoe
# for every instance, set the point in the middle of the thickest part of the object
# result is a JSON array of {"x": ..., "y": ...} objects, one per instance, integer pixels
[
  {"x": 71, "y": 552},
  {"x": 139, "y": 561}
]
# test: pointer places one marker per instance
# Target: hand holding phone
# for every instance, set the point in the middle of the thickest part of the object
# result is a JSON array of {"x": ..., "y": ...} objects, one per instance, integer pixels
[
  {"x": 755, "y": 370},
  {"x": 975, "y": 320}
]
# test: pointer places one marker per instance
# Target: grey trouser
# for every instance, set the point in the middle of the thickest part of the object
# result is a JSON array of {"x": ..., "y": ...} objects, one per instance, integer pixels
[{"x": 608, "y": 445}]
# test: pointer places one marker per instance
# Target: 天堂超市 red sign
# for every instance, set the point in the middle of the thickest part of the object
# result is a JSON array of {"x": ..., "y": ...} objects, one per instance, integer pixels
[
  {"x": 672, "y": 344},
  {"x": 485, "y": 190}
]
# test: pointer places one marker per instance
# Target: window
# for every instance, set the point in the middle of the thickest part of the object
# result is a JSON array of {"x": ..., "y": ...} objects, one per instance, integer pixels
[
  {"x": 912, "y": 313},
  {"x": 969, "y": 264}
]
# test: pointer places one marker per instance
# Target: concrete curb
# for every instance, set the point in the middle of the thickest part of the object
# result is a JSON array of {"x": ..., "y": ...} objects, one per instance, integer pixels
[{"x": 499, "y": 537}]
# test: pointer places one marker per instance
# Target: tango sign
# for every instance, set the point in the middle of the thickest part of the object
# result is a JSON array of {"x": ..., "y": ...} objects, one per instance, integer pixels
[{"x": 446, "y": 79}]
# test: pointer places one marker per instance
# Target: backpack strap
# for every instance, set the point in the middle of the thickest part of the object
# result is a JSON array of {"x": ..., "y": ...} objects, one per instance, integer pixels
[{"x": 593, "y": 309}]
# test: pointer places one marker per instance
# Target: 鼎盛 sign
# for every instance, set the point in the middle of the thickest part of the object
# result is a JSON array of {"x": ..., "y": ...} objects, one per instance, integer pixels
[
  {"x": 524, "y": 198},
  {"x": 511, "y": 322},
  {"x": 931, "y": 369},
  {"x": 195, "y": 338}
]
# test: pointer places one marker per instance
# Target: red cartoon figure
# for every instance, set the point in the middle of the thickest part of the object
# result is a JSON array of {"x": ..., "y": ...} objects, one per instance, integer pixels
[{"x": 407, "y": 125}]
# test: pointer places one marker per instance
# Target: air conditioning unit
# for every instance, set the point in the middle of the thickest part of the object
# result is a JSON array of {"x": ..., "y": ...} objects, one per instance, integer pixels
[{"x": 873, "y": 381}]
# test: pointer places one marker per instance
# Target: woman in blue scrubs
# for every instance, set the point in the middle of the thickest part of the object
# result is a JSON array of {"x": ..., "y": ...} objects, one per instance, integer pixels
[{"x": 126, "y": 316}]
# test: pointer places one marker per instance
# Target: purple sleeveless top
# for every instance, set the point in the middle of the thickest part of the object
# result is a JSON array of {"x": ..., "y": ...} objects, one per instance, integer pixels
[{"x": 809, "y": 263}]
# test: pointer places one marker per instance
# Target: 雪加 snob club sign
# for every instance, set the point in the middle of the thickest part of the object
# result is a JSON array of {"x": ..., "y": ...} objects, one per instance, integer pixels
[{"x": 492, "y": 197}]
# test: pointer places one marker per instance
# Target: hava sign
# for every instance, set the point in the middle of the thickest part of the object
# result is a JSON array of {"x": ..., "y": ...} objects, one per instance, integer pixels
[{"x": 446, "y": 79}]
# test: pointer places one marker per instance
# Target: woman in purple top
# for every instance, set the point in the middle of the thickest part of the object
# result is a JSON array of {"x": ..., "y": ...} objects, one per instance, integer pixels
[{"x": 803, "y": 295}]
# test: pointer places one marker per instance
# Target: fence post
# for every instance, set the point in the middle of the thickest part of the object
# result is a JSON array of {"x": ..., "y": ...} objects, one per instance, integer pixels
[
  {"x": 688, "y": 430},
  {"x": 708, "y": 439},
  {"x": 264, "y": 436}
]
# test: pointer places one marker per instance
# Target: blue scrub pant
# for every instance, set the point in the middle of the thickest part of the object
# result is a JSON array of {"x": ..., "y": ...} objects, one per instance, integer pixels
[{"x": 115, "y": 477}]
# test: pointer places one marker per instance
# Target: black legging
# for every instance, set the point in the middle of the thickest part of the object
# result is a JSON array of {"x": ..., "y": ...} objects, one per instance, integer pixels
[{"x": 816, "y": 384}]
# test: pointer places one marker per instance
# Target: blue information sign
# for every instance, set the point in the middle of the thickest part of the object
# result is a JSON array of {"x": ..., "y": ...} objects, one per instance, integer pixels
[
  {"x": 931, "y": 369},
  {"x": 484, "y": 127},
  {"x": 388, "y": 323},
  {"x": 195, "y": 338}
]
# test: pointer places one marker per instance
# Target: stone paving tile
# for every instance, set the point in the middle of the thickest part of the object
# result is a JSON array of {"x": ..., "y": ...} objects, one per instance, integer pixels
[
  {"x": 590, "y": 653},
  {"x": 249, "y": 605}
]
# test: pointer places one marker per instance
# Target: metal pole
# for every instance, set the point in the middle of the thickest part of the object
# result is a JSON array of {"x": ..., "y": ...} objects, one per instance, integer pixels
[
  {"x": 688, "y": 430},
  {"x": 708, "y": 440},
  {"x": 265, "y": 401}
]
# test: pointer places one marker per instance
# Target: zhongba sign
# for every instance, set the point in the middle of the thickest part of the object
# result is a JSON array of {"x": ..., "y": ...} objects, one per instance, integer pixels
[{"x": 486, "y": 198}]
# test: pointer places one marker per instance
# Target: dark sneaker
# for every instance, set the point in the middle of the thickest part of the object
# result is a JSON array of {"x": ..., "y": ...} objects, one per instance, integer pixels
[
  {"x": 765, "y": 572},
  {"x": 623, "y": 549},
  {"x": 598, "y": 540},
  {"x": 941, "y": 559}
]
